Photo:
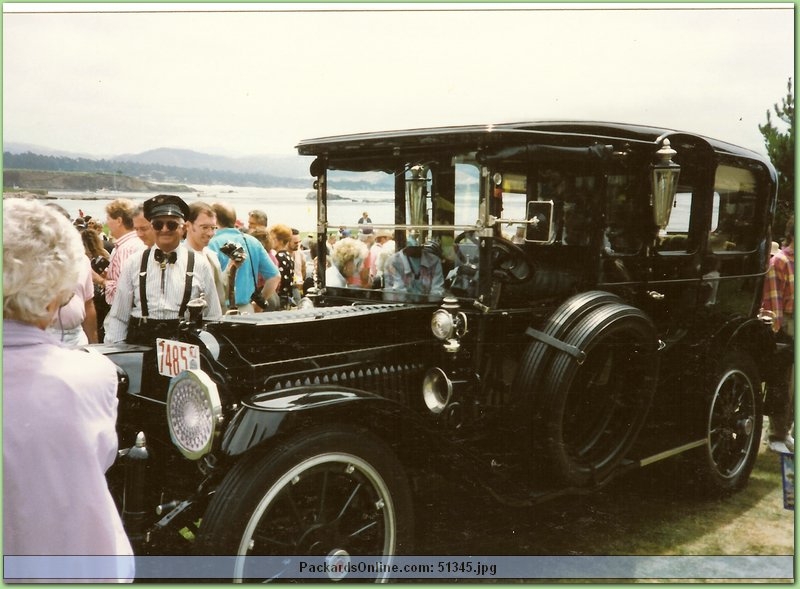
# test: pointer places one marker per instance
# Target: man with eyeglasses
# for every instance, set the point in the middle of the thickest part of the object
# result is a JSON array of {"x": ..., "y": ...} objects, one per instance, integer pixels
[
  {"x": 200, "y": 227},
  {"x": 142, "y": 227},
  {"x": 154, "y": 289}
]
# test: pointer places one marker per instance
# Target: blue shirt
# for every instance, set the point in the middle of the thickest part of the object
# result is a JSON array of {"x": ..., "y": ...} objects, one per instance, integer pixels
[{"x": 257, "y": 261}]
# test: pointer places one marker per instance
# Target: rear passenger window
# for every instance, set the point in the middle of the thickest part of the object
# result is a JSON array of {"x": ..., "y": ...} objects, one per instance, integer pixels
[{"x": 733, "y": 219}]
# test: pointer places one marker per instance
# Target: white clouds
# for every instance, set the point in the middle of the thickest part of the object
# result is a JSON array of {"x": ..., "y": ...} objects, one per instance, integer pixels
[{"x": 258, "y": 82}]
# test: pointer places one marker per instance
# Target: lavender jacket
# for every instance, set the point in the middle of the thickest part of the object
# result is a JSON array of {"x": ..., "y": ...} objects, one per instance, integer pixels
[{"x": 59, "y": 438}]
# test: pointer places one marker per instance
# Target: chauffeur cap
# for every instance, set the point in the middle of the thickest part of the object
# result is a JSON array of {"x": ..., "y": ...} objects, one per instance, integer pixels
[{"x": 165, "y": 205}]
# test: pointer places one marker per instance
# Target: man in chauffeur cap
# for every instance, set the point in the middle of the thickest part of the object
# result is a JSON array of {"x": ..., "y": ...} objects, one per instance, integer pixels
[{"x": 155, "y": 288}]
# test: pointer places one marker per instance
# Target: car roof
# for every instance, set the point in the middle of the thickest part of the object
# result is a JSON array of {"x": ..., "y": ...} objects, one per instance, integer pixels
[{"x": 477, "y": 136}]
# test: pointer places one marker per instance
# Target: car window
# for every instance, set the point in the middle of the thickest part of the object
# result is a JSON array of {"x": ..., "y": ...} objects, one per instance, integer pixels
[{"x": 733, "y": 219}]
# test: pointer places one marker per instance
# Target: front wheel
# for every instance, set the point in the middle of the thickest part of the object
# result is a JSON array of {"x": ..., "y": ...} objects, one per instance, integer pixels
[
  {"x": 327, "y": 492},
  {"x": 732, "y": 426}
]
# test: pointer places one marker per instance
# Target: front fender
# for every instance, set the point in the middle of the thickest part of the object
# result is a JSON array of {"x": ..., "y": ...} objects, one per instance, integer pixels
[
  {"x": 129, "y": 358},
  {"x": 273, "y": 415}
]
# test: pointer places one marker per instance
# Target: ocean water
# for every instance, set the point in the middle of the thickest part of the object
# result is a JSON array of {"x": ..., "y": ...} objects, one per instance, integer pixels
[{"x": 282, "y": 205}]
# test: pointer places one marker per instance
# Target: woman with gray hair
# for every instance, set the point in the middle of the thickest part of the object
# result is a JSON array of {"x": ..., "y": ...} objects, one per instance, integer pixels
[
  {"x": 59, "y": 406},
  {"x": 347, "y": 257}
]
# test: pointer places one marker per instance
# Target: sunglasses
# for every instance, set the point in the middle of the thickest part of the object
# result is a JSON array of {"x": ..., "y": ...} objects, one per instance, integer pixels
[{"x": 158, "y": 225}]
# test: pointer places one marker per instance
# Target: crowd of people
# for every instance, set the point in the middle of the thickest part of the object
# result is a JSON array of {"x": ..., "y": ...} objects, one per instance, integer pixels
[{"x": 236, "y": 267}]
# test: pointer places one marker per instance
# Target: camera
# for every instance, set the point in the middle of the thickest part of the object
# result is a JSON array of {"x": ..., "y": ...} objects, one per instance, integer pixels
[
  {"x": 234, "y": 251},
  {"x": 259, "y": 299},
  {"x": 99, "y": 264}
]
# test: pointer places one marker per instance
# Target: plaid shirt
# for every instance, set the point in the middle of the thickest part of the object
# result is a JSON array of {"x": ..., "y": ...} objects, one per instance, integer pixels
[{"x": 778, "y": 295}]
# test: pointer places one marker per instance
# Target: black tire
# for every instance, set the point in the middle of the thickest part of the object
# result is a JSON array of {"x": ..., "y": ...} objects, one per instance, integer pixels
[
  {"x": 329, "y": 492},
  {"x": 537, "y": 354},
  {"x": 732, "y": 426},
  {"x": 593, "y": 411}
]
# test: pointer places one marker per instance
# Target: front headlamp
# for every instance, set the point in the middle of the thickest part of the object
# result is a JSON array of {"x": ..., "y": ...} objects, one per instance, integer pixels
[{"x": 193, "y": 413}]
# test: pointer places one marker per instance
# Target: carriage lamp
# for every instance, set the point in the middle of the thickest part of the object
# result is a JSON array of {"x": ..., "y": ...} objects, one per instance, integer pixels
[
  {"x": 448, "y": 322},
  {"x": 194, "y": 413},
  {"x": 665, "y": 174}
]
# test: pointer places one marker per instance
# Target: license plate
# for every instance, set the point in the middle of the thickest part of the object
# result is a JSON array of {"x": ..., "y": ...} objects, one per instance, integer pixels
[{"x": 174, "y": 357}]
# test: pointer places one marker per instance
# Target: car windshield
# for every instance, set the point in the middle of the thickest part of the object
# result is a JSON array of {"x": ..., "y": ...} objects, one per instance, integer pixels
[
  {"x": 411, "y": 249},
  {"x": 444, "y": 207}
]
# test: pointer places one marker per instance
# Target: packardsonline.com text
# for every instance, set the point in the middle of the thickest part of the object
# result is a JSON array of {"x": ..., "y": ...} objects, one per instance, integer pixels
[{"x": 438, "y": 568}]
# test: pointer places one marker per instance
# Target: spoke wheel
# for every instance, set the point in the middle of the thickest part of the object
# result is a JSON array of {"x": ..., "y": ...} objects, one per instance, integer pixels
[
  {"x": 733, "y": 426},
  {"x": 330, "y": 494}
]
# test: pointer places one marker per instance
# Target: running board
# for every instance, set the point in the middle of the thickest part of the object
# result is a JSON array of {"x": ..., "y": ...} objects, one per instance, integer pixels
[{"x": 672, "y": 452}]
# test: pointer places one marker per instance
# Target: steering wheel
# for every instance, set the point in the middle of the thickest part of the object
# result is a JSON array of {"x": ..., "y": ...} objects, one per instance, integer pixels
[
  {"x": 509, "y": 262},
  {"x": 473, "y": 243}
]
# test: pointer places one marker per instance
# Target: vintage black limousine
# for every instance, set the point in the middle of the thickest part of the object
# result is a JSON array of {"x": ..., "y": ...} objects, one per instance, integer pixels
[{"x": 598, "y": 311}]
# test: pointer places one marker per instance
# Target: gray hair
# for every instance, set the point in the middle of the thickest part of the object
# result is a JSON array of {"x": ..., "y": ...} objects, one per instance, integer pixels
[
  {"x": 42, "y": 253},
  {"x": 347, "y": 249}
]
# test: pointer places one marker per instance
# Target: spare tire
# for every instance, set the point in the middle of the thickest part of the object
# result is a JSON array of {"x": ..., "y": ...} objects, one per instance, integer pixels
[
  {"x": 535, "y": 358},
  {"x": 593, "y": 408}
]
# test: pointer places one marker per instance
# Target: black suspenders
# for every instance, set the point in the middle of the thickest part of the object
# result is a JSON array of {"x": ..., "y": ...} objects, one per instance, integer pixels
[{"x": 187, "y": 291}]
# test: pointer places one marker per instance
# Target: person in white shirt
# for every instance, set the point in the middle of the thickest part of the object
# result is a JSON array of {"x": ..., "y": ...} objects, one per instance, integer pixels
[
  {"x": 200, "y": 227},
  {"x": 154, "y": 288}
]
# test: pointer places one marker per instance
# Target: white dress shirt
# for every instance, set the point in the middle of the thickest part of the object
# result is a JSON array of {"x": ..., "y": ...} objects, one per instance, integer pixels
[{"x": 164, "y": 292}]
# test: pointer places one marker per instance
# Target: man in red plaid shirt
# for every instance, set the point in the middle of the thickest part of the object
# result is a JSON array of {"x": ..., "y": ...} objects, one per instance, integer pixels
[{"x": 778, "y": 297}]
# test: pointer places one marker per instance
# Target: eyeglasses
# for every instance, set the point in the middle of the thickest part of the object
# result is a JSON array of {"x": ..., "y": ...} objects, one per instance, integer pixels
[
  {"x": 158, "y": 225},
  {"x": 207, "y": 227}
]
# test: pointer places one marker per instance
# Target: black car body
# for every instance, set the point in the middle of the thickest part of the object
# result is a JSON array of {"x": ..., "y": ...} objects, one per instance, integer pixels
[{"x": 601, "y": 313}]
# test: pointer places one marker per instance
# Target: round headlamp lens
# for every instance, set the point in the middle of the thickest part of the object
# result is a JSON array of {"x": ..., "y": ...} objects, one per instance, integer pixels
[
  {"x": 193, "y": 410},
  {"x": 442, "y": 324}
]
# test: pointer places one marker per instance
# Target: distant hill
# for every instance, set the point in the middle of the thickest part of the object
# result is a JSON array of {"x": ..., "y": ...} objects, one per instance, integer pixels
[
  {"x": 16, "y": 147},
  {"x": 184, "y": 166},
  {"x": 283, "y": 165},
  {"x": 289, "y": 166},
  {"x": 41, "y": 182},
  {"x": 150, "y": 172}
]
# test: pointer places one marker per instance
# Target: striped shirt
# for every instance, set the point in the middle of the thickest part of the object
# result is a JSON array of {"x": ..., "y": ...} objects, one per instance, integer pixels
[
  {"x": 164, "y": 292},
  {"x": 124, "y": 248},
  {"x": 778, "y": 295}
]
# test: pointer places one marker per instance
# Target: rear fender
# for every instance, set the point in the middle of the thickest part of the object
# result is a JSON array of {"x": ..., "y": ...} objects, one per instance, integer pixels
[
  {"x": 274, "y": 415},
  {"x": 749, "y": 335}
]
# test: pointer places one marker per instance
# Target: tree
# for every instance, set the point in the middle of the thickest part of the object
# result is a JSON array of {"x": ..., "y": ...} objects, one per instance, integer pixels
[{"x": 780, "y": 148}]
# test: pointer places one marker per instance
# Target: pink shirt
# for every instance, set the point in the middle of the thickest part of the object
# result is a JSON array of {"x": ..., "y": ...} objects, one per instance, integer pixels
[
  {"x": 73, "y": 313},
  {"x": 124, "y": 248}
]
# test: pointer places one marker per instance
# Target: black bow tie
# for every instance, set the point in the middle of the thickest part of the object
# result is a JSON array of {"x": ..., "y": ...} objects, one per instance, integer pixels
[{"x": 169, "y": 258}]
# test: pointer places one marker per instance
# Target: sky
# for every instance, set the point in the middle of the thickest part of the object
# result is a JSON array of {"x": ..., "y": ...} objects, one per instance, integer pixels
[{"x": 251, "y": 79}]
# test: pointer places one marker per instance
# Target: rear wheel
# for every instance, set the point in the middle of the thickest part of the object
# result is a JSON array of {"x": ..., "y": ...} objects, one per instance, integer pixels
[
  {"x": 733, "y": 426},
  {"x": 329, "y": 492}
]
